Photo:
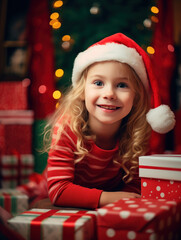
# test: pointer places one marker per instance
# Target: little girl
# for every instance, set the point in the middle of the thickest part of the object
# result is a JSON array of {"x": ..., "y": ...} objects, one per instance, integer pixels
[{"x": 103, "y": 124}]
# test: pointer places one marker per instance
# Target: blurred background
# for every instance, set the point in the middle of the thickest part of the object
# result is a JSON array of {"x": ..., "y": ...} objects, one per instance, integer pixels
[{"x": 39, "y": 41}]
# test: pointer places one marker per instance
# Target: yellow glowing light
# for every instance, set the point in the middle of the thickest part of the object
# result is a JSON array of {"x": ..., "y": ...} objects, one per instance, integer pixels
[
  {"x": 66, "y": 38},
  {"x": 58, "y": 4},
  {"x": 57, "y": 105},
  {"x": 150, "y": 50},
  {"x": 59, "y": 72},
  {"x": 154, "y": 10},
  {"x": 56, "y": 25},
  {"x": 53, "y": 21},
  {"x": 54, "y": 15},
  {"x": 57, "y": 94}
]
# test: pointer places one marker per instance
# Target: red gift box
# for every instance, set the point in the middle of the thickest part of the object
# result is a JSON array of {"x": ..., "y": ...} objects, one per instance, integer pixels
[
  {"x": 160, "y": 176},
  {"x": 13, "y": 95},
  {"x": 16, "y": 131},
  {"x": 15, "y": 170},
  {"x": 140, "y": 219},
  {"x": 37, "y": 224}
]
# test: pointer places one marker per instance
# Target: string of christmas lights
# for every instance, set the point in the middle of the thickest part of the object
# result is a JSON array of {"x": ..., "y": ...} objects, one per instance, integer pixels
[
  {"x": 151, "y": 21},
  {"x": 56, "y": 24},
  {"x": 67, "y": 42}
]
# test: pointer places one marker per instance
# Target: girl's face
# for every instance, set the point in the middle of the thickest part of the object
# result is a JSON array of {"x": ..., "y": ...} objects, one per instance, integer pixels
[{"x": 109, "y": 94}]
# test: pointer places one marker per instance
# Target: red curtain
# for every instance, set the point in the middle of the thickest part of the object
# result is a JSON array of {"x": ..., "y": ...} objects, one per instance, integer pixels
[
  {"x": 41, "y": 59},
  {"x": 164, "y": 61}
]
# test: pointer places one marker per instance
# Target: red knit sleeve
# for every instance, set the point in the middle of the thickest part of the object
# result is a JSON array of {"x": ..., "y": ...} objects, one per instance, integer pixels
[{"x": 60, "y": 176}]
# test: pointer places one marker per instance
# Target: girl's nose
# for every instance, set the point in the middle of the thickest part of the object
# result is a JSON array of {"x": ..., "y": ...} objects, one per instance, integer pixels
[{"x": 109, "y": 93}]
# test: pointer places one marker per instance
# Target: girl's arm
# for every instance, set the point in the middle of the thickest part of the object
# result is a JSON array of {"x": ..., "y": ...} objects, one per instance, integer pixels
[
  {"x": 110, "y": 197},
  {"x": 60, "y": 176}
]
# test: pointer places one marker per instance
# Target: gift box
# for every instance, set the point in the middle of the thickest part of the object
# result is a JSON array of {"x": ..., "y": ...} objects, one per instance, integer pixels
[
  {"x": 13, "y": 201},
  {"x": 140, "y": 219},
  {"x": 15, "y": 169},
  {"x": 16, "y": 131},
  {"x": 5, "y": 232},
  {"x": 13, "y": 95},
  {"x": 37, "y": 224},
  {"x": 160, "y": 176}
]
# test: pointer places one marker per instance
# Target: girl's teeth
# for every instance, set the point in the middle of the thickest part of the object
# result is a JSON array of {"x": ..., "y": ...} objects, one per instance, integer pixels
[{"x": 107, "y": 107}]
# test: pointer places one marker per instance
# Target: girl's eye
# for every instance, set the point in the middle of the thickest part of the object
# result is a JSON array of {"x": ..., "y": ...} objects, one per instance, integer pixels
[
  {"x": 122, "y": 85},
  {"x": 98, "y": 83}
]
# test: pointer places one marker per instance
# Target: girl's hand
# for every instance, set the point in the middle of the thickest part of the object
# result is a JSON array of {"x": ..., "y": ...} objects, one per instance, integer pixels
[{"x": 110, "y": 197}]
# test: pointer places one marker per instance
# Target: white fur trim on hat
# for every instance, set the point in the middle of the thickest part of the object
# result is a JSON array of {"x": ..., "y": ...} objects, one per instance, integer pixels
[
  {"x": 161, "y": 119},
  {"x": 108, "y": 52}
]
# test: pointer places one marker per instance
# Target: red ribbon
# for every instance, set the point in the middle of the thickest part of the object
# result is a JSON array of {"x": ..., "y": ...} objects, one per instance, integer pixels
[
  {"x": 68, "y": 225},
  {"x": 160, "y": 168},
  {"x": 35, "y": 232},
  {"x": 17, "y": 154},
  {"x": 7, "y": 201}
]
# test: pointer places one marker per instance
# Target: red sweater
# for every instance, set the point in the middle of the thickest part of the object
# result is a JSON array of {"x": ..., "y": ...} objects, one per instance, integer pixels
[{"x": 81, "y": 184}]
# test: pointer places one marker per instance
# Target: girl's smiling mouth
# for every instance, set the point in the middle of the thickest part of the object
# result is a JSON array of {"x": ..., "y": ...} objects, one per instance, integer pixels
[{"x": 108, "y": 107}]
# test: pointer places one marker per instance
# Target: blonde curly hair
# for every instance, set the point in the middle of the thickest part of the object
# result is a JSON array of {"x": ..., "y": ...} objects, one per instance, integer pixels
[{"x": 134, "y": 130}]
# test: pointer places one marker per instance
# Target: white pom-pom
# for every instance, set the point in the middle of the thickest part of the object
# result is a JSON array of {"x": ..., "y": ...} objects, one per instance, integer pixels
[{"x": 161, "y": 119}]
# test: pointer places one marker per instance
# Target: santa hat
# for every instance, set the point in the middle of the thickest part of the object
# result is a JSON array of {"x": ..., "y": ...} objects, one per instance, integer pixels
[{"x": 120, "y": 48}]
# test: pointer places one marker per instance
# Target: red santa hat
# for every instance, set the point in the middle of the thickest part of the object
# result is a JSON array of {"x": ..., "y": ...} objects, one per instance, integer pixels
[{"x": 120, "y": 48}]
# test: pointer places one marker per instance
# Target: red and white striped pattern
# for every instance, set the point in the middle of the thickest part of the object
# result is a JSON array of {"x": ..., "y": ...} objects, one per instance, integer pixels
[{"x": 80, "y": 184}]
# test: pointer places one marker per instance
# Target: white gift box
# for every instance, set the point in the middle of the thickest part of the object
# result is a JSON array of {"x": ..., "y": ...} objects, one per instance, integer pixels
[
  {"x": 13, "y": 201},
  {"x": 52, "y": 224},
  {"x": 15, "y": 170}
]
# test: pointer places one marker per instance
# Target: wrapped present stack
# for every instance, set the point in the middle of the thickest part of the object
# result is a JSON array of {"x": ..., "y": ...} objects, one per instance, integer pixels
[
  {"x": 16, "y": 159},
  {"x": 154, "y": 216}
]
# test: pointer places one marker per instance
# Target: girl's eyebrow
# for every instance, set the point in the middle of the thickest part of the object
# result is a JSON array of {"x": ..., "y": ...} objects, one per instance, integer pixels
[
  {"x": 101, "y": 76},
  {"x": 122, "y": 78},
  {"x": 97, "y": 75}
]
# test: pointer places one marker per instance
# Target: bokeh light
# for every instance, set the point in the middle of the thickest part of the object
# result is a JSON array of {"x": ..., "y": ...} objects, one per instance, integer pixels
[
  {"x": 150, "y": 50},
  {"x": 56, "y": 25},
  {"x": 42, "y": 89},
  {"x": 54, "y": 15},
  {"x": 57, "y": 94},
  {"x": 26, "y": 82},
  {"x": 66, "y": 38},
  {"x": 154, "y": 19},
  {"x": 154, "y": 9},
  {"x": 57, "y": 4},
  {"x": 59, "y": 72}
]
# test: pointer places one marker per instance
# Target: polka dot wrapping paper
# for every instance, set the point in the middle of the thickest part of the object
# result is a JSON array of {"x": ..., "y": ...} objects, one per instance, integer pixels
[
  {"x": 158, "y": 189},
  {"x": 140, "y": 219},
  {"x": 160, "y": 176}
]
